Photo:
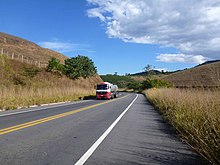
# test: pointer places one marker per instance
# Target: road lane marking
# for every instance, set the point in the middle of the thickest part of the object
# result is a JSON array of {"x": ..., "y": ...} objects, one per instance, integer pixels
[
  {"x": 43, "y": 108},
  {"x": 90, "y": 151},
  {"x": 43, "y": 120}
]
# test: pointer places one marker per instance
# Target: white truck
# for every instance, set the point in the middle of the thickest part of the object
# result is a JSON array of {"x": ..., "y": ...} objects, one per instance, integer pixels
[{"x": 106, "y": 90}]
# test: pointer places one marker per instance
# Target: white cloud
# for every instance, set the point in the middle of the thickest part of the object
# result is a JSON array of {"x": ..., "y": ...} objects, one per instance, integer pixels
[
  {"x": 61, "y": 47},
  {"x": 182, "y": 58},
  {"x": 190, "y": 26},
  {"x": 64, "y": 47}
]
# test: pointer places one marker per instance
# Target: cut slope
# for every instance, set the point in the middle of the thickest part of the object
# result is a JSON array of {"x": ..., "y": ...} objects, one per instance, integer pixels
[
  {"x": 29, "y": 50},
  {"x": 22, "y": 85},
  {"x": 207, "y": 75}
]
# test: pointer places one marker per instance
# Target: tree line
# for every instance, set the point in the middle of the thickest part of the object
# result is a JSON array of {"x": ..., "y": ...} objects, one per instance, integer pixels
[{"x": 130, "y": 83}]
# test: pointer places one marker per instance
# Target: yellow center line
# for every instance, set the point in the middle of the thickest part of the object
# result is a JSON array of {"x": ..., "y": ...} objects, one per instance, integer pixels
[{"x": 43, "y": 120}]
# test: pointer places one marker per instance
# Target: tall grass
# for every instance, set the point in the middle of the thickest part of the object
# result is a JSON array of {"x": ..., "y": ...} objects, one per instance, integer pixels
[
  {"x": 22, "y": 85},
  {"x": 195, "y": 114},
  {"x": 14, "y": 97}
]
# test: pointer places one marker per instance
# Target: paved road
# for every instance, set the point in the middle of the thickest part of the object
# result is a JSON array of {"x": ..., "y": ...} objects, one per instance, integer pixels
[{"x": 105, "y": 132}]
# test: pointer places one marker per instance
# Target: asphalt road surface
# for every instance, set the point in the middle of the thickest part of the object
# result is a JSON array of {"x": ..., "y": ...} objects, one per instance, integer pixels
[{"x": 126, "y": 130}]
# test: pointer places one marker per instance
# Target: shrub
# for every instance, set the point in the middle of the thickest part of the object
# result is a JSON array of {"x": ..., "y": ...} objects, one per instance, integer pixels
[
  {"x": 155, "y": 83},
  {"x": 30, "y": 71},
  {"x": 135, "y": 85}
]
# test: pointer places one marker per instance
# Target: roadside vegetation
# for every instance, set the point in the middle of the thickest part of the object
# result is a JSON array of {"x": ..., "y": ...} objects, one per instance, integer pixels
[
  {"x": 22, "y": 85},
  {"x": 121, "y": 81},
  {"x": 194, "y": 114},
  {"x": 135, "y": 83}
]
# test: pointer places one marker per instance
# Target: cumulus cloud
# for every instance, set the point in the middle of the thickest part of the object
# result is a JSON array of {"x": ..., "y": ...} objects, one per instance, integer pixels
[
  {"x": 192, "y": 27},
  {"x": 197, "y": 59}
]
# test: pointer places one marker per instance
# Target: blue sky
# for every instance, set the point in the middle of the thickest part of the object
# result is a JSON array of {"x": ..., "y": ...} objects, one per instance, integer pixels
[{"x": 119, "y": 36}]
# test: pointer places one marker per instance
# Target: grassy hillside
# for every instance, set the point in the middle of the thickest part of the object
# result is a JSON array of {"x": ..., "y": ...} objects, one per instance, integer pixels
[
  {"x": 121, "y": 81},
  {"x": 207, "y": 75},
  {"x": 32, "y": 52},
  {"x": 22, "y": 85}
]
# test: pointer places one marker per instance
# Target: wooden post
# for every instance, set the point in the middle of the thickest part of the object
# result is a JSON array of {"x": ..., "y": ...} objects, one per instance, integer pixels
[
  {"x": 2, "y": 51},
  {"x": 22, "y": 58},
  {"x": 12, "y": 56}
]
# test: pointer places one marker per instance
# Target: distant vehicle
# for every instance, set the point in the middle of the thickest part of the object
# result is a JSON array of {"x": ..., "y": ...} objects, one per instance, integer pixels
[{"x": 106, "y": 90}]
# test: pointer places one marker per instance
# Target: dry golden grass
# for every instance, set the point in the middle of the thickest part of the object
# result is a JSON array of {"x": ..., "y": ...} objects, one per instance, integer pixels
[
  {"x": 195, "y": 114},
  {"x": 22, "y": 85},
  {"x": 138, "y": 78},
  {"x": 29, "y": 50},
  {"x": 202, "y": 76},
  {"x": 14, "y": 97}
]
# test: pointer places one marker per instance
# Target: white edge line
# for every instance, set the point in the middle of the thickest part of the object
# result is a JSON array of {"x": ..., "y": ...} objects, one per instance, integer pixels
[
  {"x": 42, "y": 108},
  {"x": 90, "y": 151}
]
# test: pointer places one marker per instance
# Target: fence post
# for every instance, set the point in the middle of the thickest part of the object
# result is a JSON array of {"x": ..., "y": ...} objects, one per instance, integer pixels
[
  {"x": 22, "y": 58},
  {"x": 12, "y": 56},
  {"x": 2, "y": 51}
]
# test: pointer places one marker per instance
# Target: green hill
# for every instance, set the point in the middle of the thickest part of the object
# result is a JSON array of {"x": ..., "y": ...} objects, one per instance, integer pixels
[{"x": 121, "y": 81}]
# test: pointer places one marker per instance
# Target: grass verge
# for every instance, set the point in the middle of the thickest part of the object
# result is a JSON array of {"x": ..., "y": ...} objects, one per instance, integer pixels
[
  {"x": 14, "y": 97},
  {"x": 195, "y": 115}
]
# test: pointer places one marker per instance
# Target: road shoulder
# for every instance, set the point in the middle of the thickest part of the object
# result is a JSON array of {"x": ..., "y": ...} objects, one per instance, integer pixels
[{"x": 142, "y": 137}]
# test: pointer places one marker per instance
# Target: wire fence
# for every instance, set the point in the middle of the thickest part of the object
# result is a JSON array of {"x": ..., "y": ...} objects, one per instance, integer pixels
[{"x": 22, "y": 58}]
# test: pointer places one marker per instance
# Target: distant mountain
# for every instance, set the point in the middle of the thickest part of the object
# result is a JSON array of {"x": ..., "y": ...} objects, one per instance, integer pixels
[
  {"x": 20, "y": 47},
  {"x": 151, "y": 72},
  {"x": 204, "y": 75}
]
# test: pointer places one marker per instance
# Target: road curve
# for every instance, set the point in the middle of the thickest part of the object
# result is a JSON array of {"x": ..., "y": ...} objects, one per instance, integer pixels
[{"x": 62, "y": 134}]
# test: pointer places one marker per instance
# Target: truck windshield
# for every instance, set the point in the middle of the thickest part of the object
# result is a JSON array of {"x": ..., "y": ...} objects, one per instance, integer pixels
[{"x": 102, "y": 87}]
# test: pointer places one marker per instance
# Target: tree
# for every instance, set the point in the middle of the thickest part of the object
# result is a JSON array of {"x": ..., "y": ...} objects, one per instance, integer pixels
[
  {"x": 55, "y": 65},
  {"x": 79, "y": 66},
  {"x": 148, "y": 68}
]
